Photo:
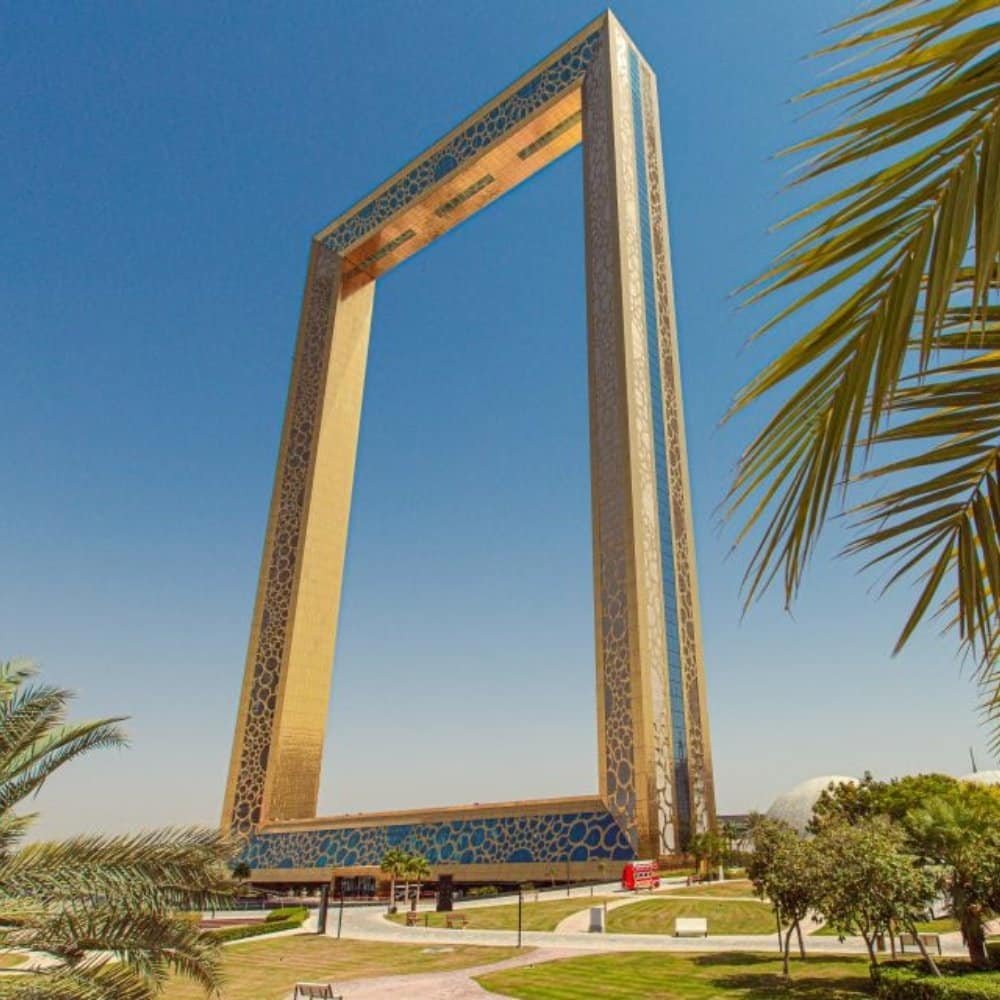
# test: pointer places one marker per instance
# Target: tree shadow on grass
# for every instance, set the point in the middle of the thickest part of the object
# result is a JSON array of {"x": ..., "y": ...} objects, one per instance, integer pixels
[
  {"x": 802, "y": 988},
  {"x": 769, "y": 985},
  {"x": 740, "y": 958}
]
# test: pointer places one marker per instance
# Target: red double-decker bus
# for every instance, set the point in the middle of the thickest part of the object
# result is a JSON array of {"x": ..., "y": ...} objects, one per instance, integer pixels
[{"x": 641, "y": 875}]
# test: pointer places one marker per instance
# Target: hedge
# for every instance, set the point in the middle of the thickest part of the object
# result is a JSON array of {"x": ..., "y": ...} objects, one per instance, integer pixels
[
  {"x": 479, "y": 891},
  {"x": 255, "y": 930},
  {"x": 298, "y": 913},
  {"x": 993, "y": 950},
  {"x": 288, "y": 918},
  {"x": 918, "y": 984}
]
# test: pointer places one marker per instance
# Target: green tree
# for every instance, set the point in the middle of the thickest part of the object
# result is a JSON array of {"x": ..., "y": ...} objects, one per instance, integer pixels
[
  {"x": 960, "y": 832},
  {"x": 952, "y": 826},
  {"x": 782, "y": 868},
  {"x": 241, "y": 872},
  {"x": 393, "y": 864},
  {"x": 887, "y": 404},
  {"x": 418, "y": 870},
  {"x": 868, "y": 882},
  {"x": 710, "y": 848},
  {"x": 106, "y": 910},
  {"x": 894, "y": 799}
]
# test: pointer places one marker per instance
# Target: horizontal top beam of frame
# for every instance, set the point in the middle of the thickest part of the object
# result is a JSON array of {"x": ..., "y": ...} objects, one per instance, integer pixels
[{"x": 525, "y": 128}]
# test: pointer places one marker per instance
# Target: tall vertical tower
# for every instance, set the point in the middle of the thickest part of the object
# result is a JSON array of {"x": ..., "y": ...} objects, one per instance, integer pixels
[
  {"x": 656, "y": 786},
  {"x": 656, "y": 751}
]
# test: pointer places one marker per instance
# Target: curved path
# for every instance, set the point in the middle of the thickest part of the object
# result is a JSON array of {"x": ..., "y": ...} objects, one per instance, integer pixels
[
  {"x": 456, "y": 985},
  {"x": 368, "y": 923}
]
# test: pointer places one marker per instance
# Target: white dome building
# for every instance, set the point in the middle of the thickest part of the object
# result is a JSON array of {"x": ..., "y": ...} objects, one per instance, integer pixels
[
  {"x": 982, "y": 777},
  {"x": 795, "y": 807}
]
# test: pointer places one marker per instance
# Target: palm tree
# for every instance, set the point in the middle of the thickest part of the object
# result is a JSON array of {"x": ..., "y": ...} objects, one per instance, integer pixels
[
  {"x": 106, "y": 911},
  {"x": 417, "y": 869},
  {"x": 890, "y": 405},
  {"x": 393, "y": 863},
  {"x": 241, "y": 872}
]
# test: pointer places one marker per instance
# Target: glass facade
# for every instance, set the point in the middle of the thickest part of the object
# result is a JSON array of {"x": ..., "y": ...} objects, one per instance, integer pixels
[{"x": 682, "y": 789}]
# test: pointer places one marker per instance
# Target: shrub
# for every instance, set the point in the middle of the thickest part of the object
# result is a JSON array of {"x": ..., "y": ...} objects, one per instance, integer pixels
[
  {"x": 298, "y": 913},
  {"x": 287, "y": 918},
  {"x": 478, "y": 891},
  {"x": 254, "y": 930},
  {"x": 958, "y": 983}
]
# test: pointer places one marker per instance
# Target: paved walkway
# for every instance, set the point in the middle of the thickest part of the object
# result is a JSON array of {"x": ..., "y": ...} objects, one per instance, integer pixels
[
  {"x": 579, "y": 923},
  {"x": 457, "y": 985},
  {"x": 571, "y": 939},
  {"x": 366, "y": 923}
]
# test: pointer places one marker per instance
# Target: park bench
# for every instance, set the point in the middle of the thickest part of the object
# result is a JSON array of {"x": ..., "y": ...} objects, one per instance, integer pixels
[
  {"x": 927, "y": 940},
  {"x": 458, "y": 920},
  {"x": 690, "y": 927},
  {"x": 413, "y": 918},
  {"x": 315, "y": 991}
]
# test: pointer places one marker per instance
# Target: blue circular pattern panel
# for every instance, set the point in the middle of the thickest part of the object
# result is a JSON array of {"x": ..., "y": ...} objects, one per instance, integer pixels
[{"x": 556, "y": 837}]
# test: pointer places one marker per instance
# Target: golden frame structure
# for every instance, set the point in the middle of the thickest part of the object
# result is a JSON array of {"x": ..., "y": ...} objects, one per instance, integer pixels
[{"x": 656, "y": 786}]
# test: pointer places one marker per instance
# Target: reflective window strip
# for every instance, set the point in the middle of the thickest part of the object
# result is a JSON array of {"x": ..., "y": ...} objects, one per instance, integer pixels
[{"x": 682, "y": 787}]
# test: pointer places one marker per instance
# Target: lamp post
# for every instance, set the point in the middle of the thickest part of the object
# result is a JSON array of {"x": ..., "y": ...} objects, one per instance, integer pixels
[
  {"x": 520, "y": 902},
  {"x": 324, "y": 900}
]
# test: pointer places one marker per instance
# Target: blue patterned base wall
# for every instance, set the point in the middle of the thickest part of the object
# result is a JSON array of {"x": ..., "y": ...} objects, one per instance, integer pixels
[{"x": 584, "y": 836}]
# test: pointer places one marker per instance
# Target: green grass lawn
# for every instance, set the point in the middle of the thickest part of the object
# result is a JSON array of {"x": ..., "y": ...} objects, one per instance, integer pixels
[
  {"x": 943, "y": 925},
  {"x": 541, "y": 916},
  {"x": 728, "y": 889},
  {"x": 656, "y": 916},
  {"x": 658, "y": 976},
  {"x": 268, "y": 970}
]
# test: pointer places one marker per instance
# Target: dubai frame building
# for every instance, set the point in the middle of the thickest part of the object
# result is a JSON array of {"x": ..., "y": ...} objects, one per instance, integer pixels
[{"x": 655, "y": 770}]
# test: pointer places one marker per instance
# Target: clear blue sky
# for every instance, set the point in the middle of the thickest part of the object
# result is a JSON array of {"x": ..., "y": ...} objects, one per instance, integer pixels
[{"x": 164, "y": 167}]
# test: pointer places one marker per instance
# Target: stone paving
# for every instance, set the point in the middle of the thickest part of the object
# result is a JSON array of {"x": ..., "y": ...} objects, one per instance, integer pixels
[
  {"x": 570, "y": 939},
  {"x": 457, "y": 985},
  {"x": 369, "y": 923}
]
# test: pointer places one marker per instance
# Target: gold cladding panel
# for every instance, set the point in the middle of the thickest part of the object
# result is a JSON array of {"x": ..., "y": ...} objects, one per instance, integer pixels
[
  {"x": 278, "y": 743},
  {"x": 501, "y": 162}
]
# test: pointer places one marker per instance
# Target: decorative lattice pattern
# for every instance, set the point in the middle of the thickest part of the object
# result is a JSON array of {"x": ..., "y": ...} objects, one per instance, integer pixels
[
  {"x": 609, "y": 447},
  {"x": 655, "y": 564},
  {"x": 644, "y": 558},
  {"x": 284, "y": 537},
  {"x": 583, "y": 836},
  {"x": 702, "y": 790},
  {"x": 556, "y": 78}
]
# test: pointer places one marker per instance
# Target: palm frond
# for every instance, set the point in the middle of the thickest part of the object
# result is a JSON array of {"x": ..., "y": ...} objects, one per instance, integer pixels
[
  {"x": 152, "y": 943},
  {"x": 166, "y": 869},
  {"x": 13, "y": 675},
  {"x": 909, "y": 255},
  {"x": 98, "y": 980},
  {"x": 108, "y": 911},
  {"x": 25, "y": 770},
  {"x": 35, "y": 738}
]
